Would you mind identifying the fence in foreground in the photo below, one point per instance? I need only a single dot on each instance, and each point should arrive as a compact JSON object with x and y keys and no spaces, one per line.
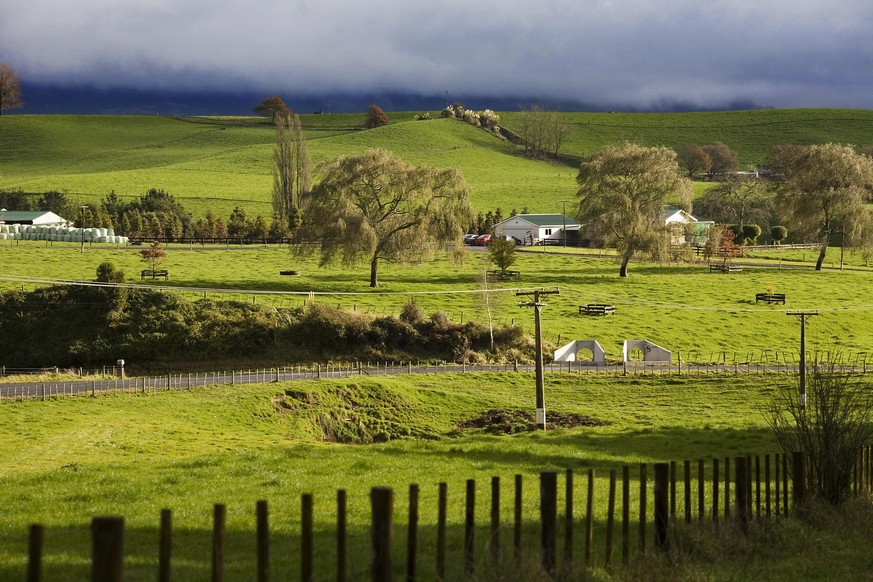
{"x":728,"y":493}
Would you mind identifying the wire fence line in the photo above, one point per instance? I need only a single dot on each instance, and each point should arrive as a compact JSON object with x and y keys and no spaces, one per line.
{"x":41,"y":390}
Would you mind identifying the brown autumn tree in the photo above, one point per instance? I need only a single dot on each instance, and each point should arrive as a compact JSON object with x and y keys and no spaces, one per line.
{"x":693,"y":158}
{"x":272,"y":107}
{"x":375,"y":117}
{"x":10,"y":88}
{"x":723,"y":160}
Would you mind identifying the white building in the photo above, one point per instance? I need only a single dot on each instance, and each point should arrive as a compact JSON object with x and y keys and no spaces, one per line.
{"x":539,"y":228}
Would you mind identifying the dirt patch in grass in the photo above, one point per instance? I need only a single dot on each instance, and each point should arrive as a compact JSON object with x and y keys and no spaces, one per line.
{"x":508,"y":421}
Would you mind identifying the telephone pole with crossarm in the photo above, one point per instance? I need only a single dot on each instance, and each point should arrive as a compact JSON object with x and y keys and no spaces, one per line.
{"x":540,"y":389}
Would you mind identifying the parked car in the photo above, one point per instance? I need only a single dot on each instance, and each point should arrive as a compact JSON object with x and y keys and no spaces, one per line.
{"x":470,"y":238}
{"x":483,"y":240}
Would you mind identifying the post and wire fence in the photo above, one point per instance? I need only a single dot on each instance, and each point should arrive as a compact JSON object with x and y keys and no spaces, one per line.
{"x":624,"y":514}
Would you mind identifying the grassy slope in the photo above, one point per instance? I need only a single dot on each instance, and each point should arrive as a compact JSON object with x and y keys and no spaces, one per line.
{"x":219,"y":163}
{"x":189,"y":450}
{"x":683,"y":308}
{"x":133,"y":454}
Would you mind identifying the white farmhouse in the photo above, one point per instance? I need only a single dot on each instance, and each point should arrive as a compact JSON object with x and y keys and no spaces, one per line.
{"x":539,"y":228}
{"x":685,"y":227}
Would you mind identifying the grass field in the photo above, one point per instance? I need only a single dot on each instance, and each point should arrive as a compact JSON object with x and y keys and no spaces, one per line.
{"x":683,"y":307}
{"x":133,"y":455}
{"x":218,"y":163}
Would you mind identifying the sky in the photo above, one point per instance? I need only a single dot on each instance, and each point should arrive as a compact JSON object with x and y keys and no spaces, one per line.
{"x":641,"y":54}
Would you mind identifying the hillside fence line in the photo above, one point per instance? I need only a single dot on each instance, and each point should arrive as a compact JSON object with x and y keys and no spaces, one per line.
{"x":647,"y":508}
{"x":721,"y":366}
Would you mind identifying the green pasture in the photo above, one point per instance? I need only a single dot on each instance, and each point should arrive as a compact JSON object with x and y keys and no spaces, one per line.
{"x":702,"y":316}
{"x":65,"y":461}
{"x":219,"y":163}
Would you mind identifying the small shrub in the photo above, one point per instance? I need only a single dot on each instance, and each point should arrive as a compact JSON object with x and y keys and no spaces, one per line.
{"x":107,"y":272}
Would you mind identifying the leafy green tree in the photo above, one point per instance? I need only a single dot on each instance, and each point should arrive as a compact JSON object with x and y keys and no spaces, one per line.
{"x":238,"y":224}
{"x":377,"y":206}
{"x":622,"y":193}
{"x":10,"y":88}
{"x":778,"y":233}
{"x":58,"y":203}
{"x":501,"y":252}
{"x":107,"y":272}
{"x":258,"y":228}
{"x":824,"y":194}
{"x":738,"y":200}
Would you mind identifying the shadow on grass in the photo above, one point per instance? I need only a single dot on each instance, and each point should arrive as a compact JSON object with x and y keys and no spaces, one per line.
{"x":67,"y":550}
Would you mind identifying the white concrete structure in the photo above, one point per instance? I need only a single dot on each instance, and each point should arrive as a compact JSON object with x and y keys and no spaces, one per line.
{"x":569,"y":352}
{"x":651,"y":352}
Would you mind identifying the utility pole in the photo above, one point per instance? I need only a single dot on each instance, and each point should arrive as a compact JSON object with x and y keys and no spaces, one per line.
{"x":564,"y":215}
{"x":540,"y":389}
{"x":803,"y":315}
{"x":82,"y":229}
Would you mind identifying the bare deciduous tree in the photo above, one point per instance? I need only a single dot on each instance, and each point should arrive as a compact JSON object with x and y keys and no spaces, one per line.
{"x":830,"y":429}
{"x":542,"y":131}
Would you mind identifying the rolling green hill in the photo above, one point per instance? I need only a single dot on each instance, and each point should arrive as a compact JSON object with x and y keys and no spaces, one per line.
{"x":218,"y":163}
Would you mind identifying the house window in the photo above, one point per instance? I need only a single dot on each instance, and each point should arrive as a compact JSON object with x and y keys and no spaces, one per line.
{"x":548,"y":232}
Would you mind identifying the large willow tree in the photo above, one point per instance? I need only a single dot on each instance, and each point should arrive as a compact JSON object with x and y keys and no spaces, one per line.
{"x":824,"y":195}
{"x":374,"y":206}
{"x":621,"y":196}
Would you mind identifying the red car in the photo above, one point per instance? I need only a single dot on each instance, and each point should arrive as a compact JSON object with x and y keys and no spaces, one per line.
{"x":483,"y":240}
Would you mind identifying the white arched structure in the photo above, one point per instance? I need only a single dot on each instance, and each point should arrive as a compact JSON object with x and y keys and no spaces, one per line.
{"x":651,"y":352}
{"x":568,"y":352}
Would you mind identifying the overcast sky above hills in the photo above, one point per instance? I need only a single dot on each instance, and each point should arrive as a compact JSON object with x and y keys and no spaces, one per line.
{"x":616,"y":53}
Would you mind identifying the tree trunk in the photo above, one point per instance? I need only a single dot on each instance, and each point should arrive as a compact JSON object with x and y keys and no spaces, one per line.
{"x":625,"y":259}
{"x":374,"y":268}
{"x":821,"y":255}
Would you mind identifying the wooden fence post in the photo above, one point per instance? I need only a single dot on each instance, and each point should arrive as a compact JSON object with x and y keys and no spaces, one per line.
{"x":219,"y":518}
{"x":701,"y":487}
{"x":469,"y":526}
{"x":516,"y":529}
{"x":107,"y":549}
{"x":263,"y":541}
{"x":625,"y":514}
{"x":662,"y":504}
{"x":589,"y":518}
{"x":341,"y":536}
{"x":412,"y":533}
{"x":568,"y":517}
{"x":382,"y":511}
{"x":686,"y":470}
{"x":307,"y":571}
{"x":165,"y":545}
{"x":610,"y":518}
{"x":494,"y":538}
{"x":643,"y":509}
{"x":548,"y":519}
{"x":441,"y":532}
{"x":34,"y":553}
{"x":798,"y":473}
{"x":715,"y":482}
{"x":741,"y":492}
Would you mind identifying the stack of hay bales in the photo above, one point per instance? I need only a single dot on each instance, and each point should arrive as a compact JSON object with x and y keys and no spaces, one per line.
{"x":59,"y":234}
